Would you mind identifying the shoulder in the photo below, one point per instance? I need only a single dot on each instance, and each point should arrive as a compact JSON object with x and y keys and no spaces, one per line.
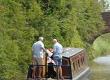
{"x":34,"y":44}
{"x":41,"y":43}
{"x":59,"y":44}
{"x":55,"y":44}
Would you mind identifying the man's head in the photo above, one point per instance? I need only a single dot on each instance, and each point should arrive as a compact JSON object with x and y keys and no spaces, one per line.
{"x":41,"y":38}
{"x":55,"y":40}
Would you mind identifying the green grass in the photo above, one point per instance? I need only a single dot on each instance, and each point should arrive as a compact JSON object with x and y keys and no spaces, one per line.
{"x":102,"y":45}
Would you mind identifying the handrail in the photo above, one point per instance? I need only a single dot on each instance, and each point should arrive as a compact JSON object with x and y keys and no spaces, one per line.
{"x":50,"y":65}
{"x":57,"y":76}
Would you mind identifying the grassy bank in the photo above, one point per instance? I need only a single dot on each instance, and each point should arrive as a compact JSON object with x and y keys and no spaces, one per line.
{"x":101,"y":45}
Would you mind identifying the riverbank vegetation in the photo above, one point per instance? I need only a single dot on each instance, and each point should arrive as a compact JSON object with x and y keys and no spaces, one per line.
{"x":75,"y":23}
{"x":102,"y":45}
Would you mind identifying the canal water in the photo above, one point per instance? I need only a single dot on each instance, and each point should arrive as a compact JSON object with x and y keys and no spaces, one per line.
{"x":100,"y":68}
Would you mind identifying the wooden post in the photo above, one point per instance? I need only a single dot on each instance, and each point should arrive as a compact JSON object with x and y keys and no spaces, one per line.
{"x":45,"y":65}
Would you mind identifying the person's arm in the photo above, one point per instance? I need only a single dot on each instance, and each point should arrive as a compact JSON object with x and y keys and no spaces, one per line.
{"x":44,"y":49}
{"x":51,"y":50}
{"x":42,"y":46}
{"x":54,"y":49}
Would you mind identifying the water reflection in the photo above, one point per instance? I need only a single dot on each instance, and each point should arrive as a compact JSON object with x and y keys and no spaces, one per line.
{"x":103,"y":60}
{"x":101,"y":68}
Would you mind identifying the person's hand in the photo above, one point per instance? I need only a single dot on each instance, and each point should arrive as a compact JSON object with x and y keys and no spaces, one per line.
{"x":49,"y":53}
{"x":51,"y":50}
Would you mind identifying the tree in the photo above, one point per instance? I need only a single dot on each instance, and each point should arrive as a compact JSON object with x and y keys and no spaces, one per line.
{"x":74,"y":23}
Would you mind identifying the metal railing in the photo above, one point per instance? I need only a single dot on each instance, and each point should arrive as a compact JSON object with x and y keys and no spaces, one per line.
{"x":46,"y":71}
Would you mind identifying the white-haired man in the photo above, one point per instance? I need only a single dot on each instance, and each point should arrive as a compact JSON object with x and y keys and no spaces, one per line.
{"x":38,"y":56}
{"x":57,"y":57}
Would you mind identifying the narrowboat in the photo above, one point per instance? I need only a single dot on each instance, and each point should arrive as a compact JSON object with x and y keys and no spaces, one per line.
{"x":74,"y":66}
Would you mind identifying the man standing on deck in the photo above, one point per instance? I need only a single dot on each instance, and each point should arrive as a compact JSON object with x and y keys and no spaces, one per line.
{"x":57,"y":57}
{"x":38,"y":56}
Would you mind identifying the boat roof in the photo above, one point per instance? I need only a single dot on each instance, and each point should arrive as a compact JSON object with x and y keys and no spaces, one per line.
{"x":68,"y":52}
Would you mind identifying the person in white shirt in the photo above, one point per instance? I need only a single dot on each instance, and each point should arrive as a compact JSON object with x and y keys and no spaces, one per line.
{"x":38,"y":55}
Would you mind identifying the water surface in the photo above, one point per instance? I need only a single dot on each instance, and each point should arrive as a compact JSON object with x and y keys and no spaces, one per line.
{"x":100,"y":68}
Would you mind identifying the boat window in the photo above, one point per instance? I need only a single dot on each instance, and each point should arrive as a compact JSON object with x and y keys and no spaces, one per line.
{"x":75,"y":68}
{"x":78,"y":62}
{"x":74,"y":65}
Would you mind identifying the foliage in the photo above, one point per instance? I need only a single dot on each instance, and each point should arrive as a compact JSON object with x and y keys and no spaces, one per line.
{"x":101,"y":45}
{"x":74,"y":23}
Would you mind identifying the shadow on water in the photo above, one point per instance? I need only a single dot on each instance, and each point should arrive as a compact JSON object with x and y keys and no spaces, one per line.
{"x":100,"y":68}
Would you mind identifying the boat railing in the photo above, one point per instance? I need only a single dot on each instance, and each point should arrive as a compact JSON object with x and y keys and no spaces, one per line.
{"x":45,"y":71}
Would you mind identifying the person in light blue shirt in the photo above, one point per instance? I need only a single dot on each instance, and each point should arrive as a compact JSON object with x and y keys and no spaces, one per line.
{"x":57,"y":57}
{"x":57,"y":49}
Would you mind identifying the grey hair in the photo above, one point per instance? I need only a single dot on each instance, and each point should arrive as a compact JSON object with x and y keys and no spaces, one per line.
{"x":41,"y":38}
{"x":55,"y":40}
